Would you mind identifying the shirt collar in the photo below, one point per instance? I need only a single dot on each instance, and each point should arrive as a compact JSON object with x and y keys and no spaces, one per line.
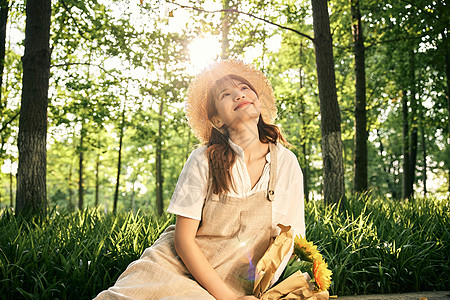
{"x":237,"y":149}
{"x":240,"y":153}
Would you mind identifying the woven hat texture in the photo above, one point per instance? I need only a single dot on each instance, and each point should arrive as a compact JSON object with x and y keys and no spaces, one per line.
{"x":196,"y":112}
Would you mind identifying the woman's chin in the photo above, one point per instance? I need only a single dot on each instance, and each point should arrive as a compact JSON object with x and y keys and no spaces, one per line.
{"x":250,"y":111}
{"x":248,"y":121}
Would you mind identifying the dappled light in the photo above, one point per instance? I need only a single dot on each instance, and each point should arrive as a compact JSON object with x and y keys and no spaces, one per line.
{"x":96,"y":127}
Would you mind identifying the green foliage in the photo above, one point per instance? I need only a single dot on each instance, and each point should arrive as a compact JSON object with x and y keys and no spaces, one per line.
{"x":71,"y":255}
{"x":377,"y":245}
{"x":373,"y":245}
{"x":294,"y":265}
{"x":111,"y":54}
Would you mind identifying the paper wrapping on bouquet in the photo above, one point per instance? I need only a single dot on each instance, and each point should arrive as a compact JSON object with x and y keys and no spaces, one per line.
{"x":271,"y":260}
{"x":296,"y":286}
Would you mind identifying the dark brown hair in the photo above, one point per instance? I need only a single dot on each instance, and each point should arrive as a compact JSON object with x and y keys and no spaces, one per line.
{"x":220,"y":155}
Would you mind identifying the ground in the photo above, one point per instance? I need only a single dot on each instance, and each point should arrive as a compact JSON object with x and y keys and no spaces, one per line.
{"x":442,"y":295}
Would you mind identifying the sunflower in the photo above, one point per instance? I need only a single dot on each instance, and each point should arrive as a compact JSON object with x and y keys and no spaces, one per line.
{"x":305,"y":250}
{"x":322,"y":275}
{"x":308,"y":259}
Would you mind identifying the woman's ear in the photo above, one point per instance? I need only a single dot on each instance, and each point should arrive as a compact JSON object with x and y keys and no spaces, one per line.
{"x":217,"y":122}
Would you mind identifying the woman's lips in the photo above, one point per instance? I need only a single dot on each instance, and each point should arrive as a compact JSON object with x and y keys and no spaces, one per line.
{"x":242,"y":104}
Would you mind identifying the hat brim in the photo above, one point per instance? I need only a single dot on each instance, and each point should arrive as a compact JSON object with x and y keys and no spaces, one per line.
{"x":196,"y":111}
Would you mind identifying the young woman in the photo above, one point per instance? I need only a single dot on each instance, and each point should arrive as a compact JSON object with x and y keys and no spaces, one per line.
{"x":231,"y":194}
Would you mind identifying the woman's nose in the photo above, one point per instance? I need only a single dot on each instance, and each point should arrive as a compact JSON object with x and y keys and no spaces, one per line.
{"x":239,"y":95}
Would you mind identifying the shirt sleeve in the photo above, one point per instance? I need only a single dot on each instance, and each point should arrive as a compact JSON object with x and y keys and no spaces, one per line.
{"x":190,"y":191}
{"x":290,"y":191}
{"x":297,"y":214}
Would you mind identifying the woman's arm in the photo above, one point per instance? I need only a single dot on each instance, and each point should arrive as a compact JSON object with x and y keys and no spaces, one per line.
{"x":195,"y":260}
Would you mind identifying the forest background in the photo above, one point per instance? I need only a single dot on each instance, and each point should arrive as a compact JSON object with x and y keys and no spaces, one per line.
{"x":117,"y":136}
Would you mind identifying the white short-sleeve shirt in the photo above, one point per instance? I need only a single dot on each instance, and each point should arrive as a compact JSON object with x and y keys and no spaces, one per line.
{"x":287,"y":207}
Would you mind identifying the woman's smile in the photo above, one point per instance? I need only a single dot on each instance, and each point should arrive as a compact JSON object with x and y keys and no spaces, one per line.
{"x":243,"y":103}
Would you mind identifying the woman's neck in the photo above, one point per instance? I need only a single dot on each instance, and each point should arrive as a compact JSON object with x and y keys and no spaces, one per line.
{"x":247,"y":137}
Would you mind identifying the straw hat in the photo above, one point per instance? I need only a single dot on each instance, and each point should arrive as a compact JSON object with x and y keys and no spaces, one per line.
{"x":196,"y":112}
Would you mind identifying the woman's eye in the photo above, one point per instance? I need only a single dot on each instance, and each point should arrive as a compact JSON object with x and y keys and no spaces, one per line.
{"x":244,"y":88}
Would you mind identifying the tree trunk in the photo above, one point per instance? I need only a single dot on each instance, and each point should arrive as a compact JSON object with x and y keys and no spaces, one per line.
{"x":80,"y":171}
{"x":11,"y":194}
{"x":133,"y":204}
{"x":69,"y":186}
{"x":119,"y":160}
{"x":97,"y":166}
{"x":405,"y":146}
{"x":333,"y":168}
{"x":31,"y":197}
{"x":386,"y":169}
{"x":360,"y":159}
{"x":303,"y":132}
{"x":396,"y":188}
{"x":159,"y":176}
{"x":413,"y":137}
{"x":305,"y":174}
{"x":412,"y":162}
{"x":225,"y":30}
{"x":424,"y":162}
{"x":447,"y":73}
{"x":4,"y":9}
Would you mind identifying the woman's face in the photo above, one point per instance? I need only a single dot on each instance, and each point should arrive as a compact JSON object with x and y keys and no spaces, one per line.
{"x":236,"y":103}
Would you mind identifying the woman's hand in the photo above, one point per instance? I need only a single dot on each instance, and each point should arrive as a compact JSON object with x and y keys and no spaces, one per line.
{"x":247,"y":298}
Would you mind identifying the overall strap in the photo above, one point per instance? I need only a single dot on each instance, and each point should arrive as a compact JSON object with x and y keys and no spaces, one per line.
{"x":272,"y":172}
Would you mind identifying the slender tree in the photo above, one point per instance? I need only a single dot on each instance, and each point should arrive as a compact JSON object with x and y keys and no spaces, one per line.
{"x":81,"y":168}
{"x":413,"y":124}
{"x":159,"y":176}
{"x":305,"y":167}
{"x":71,"y":205}
{"x":410,"y":130}
{"x":119,"y":158}
{"x":31,"y":197}
{"x":11,"y":194}
{"x":424,"y":162}
{"x":447,"y":73}
{"x":333,"y":168}
{"x":360,"y":156}
{"x":97,"y":176}
{"x":4,"y":9}
{"x":405,"y":148}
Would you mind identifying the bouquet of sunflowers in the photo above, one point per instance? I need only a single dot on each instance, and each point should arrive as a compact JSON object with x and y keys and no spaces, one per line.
{"x":306,"y":275}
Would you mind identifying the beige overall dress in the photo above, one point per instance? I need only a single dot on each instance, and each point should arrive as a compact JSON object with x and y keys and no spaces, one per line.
{"x":233,"y":234}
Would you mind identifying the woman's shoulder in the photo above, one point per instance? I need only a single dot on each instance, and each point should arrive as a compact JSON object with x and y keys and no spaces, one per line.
{"x":195,"y":170}
{"x":198,"y":156}
{"x":285,"y":154}
{"x":199,"y":149}
{"x":286,"y":158}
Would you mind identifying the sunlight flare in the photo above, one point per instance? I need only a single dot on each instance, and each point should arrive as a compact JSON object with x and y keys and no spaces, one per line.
{"x":203,"y":51}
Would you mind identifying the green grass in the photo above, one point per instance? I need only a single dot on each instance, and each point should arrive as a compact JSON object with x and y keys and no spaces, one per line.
{"x":383,"y":246}
{"x":372,"y":246}
{"x":71,"y":256}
